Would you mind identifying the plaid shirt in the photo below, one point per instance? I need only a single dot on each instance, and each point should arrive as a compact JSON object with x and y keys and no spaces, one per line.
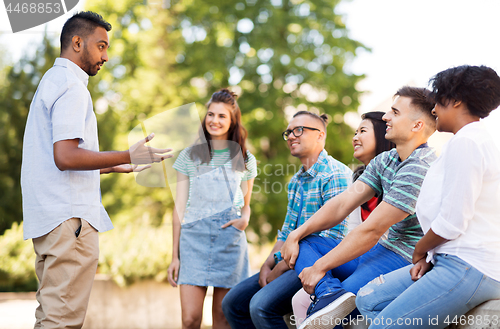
{"x":324,"y":180}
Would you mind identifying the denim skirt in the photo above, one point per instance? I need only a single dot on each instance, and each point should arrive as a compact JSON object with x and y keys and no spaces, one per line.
{"x":211,"y":255}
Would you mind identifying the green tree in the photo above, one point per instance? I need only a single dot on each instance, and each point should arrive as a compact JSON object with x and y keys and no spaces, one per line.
{"x":18,"y":84}
{"x":281,"y":56}
{"x":17,"y":270}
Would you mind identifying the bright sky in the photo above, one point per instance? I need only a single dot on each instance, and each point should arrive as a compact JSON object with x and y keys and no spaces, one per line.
{"x":19,"y":43}
{"x":413,"y":40}
{"x":410,"y":41}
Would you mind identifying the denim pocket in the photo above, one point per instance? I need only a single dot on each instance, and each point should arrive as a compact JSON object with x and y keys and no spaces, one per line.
{"x":234,"y":227}
{"x":473,"y":300}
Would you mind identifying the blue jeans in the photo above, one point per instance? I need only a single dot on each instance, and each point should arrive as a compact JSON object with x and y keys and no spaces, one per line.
{"x":451,"y":288}
{"x":247,"y":305}
{"x":312,"y":248}
{"x":352,"y":275}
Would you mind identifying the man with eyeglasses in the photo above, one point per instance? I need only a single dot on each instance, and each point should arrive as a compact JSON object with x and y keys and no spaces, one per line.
{"x":262,"y":300}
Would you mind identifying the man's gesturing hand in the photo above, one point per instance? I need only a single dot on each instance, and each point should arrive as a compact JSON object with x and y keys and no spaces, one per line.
{"x":142,"y":154}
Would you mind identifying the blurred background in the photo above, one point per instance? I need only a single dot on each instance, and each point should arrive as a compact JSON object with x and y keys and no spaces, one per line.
{"x":342,"y":58}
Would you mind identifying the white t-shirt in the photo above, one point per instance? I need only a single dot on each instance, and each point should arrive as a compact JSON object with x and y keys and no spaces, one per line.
{"x":61,"y":109}
{"x":460,"y":199}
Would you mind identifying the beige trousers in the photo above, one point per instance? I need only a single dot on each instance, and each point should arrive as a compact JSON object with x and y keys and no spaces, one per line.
{"x":65,"y":266}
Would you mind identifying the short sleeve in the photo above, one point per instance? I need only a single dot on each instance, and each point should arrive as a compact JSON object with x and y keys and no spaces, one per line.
{"x":181,"y":163}
{"x":405,"y":186}
{"x":251,"y":165}
{"x":69,"y":112}
{"x":371,"y":176}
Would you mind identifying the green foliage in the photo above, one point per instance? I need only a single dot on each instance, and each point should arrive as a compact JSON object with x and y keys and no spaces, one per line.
{"x":128,"y":253}
{"x":17,"y":87}
{"x":17,"y":271}
{"x":293,"y":55}
{"x":280,"y":56}
{"x":136,"y":251}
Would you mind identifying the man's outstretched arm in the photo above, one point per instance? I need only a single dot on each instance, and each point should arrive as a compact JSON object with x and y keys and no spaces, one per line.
{"x":356,"y":243}
{"x":68,"y":156}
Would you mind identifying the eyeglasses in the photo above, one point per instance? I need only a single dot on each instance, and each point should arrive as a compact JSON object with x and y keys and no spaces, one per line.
{"x":297,"y":131}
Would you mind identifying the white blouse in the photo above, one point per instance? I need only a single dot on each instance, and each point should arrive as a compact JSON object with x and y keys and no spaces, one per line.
{"x":460,"y":199}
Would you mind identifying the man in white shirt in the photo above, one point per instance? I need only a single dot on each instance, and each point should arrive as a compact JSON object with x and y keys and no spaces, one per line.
{"x":60,"y":175}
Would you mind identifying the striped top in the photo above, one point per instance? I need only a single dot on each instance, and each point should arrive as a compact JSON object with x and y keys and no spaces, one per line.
{"x":324,"y":180}
{"x":400,"y":182}
{"x":186,"y":166}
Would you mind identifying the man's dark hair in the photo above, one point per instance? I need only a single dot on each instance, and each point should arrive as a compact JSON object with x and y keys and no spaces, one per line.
{"x":478,"y":87}
{"x":323,"y":118}
{"x":421,"y":98}
{"x":81,"y":24}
